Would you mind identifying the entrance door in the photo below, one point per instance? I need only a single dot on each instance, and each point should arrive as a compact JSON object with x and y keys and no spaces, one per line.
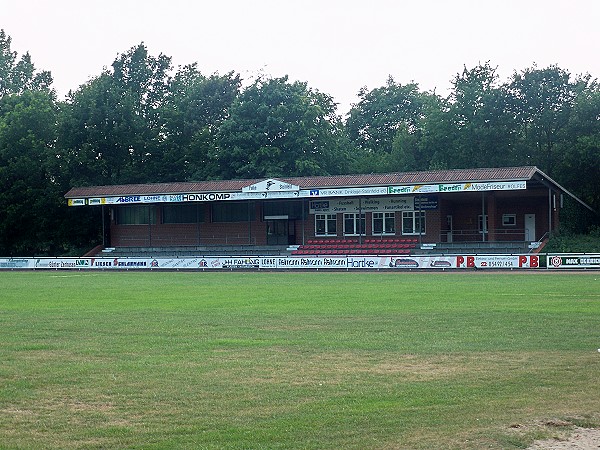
{"x":449,"y":229}
{"x":278,"y":232}
{"x":530,"y":227}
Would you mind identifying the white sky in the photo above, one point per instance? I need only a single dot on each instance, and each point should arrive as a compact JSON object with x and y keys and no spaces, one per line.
{"x":337,"y":46}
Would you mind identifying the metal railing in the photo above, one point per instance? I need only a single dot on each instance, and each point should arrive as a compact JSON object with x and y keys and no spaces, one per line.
{"x":474,"y":235}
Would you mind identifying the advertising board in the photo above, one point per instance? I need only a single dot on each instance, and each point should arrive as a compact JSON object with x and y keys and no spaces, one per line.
{"x":349,"y":262}
{"x":498,"y":261}
{"x":274,"y":189}
{"x":20,"y":263}
{"x":574,"y":261}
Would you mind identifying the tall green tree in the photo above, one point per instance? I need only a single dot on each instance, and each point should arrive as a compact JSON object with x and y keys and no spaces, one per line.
{"x":373,"y":122}
{"x":19,"y":74}
{"x":580,"y":161}
{"x":113,"y":128}
{"x":194,"y":110}
{"x":30,"y":195}
{"x":278,"y":128}
{"x":31,"y":203}
{"x":484,"y":126}
{"x":379,"y":116}
{"x":543,"y":102}
{"x":429,"y":144}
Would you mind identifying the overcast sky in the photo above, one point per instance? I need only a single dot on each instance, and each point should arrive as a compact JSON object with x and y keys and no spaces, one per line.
{"x":336,"y":46}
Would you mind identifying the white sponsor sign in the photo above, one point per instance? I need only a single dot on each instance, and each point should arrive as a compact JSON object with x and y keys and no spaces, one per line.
{"x":62,"y":263}
{"x":271,"y":185}
{"x":16,"y":263}
{"x":498,"y":261}
{"x":458,"y":187}
{"x":573,"y":261}
{"x":354,"y":205}
{"x":350,"y":262}
{"x":311,"y":263}
{"x":282,"y":190}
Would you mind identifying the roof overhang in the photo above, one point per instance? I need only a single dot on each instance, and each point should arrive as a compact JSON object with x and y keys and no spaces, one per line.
{"x":403,"y":183}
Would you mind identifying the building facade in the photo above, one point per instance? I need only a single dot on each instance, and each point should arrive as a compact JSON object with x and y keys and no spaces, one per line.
{"x":490,"y":205}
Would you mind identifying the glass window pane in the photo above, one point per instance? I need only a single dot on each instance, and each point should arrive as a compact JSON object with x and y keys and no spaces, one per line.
{"x":331,"y":224}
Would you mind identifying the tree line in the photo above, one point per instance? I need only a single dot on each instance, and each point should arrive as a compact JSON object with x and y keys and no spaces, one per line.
{"x":141,"y":120}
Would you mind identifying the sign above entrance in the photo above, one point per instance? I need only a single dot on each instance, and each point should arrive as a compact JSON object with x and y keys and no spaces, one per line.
{"x":271,"y":185}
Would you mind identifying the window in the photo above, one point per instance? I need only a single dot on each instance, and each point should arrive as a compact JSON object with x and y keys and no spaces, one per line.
{"x":233,"y":212}
{"x":509,"y":220}
{"x":354,"y":224}
{"x":136,"y":215}
{"x":325,"y":225}
{"x":384,"y":223}
{"x":183,"y":213}
{"x":480,"y":224}
{"x":413,"y":222}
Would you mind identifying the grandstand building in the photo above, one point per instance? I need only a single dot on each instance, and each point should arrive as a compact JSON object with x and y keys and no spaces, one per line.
{"x":500,"y":208}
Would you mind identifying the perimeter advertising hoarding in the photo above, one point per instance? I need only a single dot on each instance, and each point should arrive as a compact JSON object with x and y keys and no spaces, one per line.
{"x":574,"y":261}
{"x":18,"y":263}
{"x":283,"y":262}
{"x":498,"y":261}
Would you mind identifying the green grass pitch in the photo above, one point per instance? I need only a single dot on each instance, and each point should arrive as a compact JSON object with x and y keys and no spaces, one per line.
{"x":296,"y":360}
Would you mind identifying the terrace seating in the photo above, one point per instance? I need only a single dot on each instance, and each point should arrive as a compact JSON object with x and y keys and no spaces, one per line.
{"x":351,"y":246}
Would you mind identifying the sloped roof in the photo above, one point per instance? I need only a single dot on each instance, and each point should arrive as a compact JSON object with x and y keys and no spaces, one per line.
{"x":321,"y":182}
{"x":483,"y":175}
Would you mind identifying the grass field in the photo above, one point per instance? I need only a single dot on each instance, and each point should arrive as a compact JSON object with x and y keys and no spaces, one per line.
{"x":296,"y":360}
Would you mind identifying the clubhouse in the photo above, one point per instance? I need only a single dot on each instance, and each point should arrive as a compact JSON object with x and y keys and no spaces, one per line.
{"x":492,"y":205}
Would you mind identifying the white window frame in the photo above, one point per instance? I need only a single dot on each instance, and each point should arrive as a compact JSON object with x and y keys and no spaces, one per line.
{"x":327,"y":218}
{"x":356,"y":222}
{"x":414,"y":215}
{"x":509,"y":220}
{"x":383,"y":217}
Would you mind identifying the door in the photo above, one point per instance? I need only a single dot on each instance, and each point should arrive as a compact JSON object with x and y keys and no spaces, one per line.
{"x":530,"y":227}
{"x":449,"y":229}
{"x":278,"y":232}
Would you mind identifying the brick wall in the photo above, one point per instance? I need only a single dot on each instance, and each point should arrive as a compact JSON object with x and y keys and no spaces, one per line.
{"x":464,"y":208}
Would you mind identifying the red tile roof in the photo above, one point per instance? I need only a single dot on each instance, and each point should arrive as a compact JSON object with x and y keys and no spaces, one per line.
{"x":318,"y":182}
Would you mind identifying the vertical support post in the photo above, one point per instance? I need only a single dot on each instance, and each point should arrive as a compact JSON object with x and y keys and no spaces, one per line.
{"x":483,"y":221}
{"x":198,"y":221}
{"x":303,"y":219}
{"x":549,"y":211}
{"x":149,"y":226}
{"x":249,"y":224}
{"x":420,"y":222}
{"x":360,"y":230}
{"x":103,"y":227}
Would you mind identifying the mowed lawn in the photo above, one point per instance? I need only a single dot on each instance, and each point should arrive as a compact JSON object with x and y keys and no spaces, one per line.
{"x":296,"y":360}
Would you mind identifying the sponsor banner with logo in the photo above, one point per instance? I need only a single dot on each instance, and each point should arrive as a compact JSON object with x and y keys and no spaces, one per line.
{"x":401,"y":262}
{"x":498,"y":261}
{"x":241,"y":262}
{"x":274,"y":189}
{"x":295,"y":262}
{"x":16,"y":263}
{"x":62,"y":263}
{"x":420,"y":262}
{"x":349,"y":262}
{"x":574,"y":261}
{"x":271,"y":185}
{"x":354,"y":205}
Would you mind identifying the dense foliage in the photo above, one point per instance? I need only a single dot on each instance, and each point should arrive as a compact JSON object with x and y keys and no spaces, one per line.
{"x":141,"y":120}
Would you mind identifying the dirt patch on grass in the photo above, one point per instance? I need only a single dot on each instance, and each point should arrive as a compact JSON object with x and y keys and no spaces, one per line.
{"x":570,"y":434}
{"x":576,"y":438}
